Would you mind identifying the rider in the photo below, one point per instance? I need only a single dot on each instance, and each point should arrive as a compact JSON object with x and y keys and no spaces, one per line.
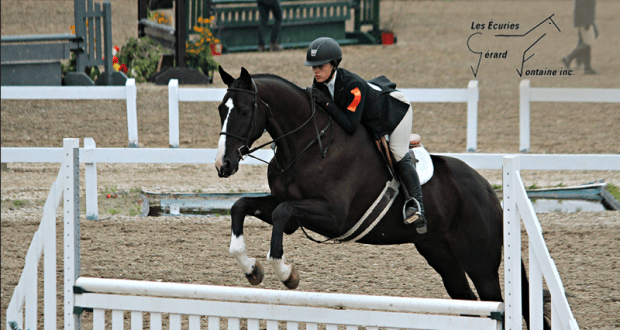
{"x":350,"y":100}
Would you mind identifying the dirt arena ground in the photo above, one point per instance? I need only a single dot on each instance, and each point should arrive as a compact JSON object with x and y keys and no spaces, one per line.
{"x":431,"y":52}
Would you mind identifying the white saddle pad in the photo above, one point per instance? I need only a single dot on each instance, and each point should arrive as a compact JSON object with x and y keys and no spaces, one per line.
{"x":424,"y":166}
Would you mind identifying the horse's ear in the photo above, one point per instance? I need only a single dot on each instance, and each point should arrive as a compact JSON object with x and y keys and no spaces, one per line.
{"x":226,"y":78}
{"x":245,"y":78}
{"x":245,"y":74}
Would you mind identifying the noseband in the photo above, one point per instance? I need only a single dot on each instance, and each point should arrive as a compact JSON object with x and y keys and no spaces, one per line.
{"x":245,"y":150}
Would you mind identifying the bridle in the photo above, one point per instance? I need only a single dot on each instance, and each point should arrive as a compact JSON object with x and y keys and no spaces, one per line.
{"x":245,"y":150}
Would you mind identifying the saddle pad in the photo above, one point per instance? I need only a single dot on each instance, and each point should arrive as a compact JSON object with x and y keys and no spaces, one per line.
{"x":424,"y":164}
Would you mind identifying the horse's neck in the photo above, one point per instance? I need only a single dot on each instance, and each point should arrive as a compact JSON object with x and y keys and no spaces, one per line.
{"x":290,"y":110}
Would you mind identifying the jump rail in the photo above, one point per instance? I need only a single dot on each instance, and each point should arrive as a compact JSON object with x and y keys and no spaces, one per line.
{"x":235,"y":303}
{"x":469,"y":95}
{"x":529,"y":94}
{"x":127,"y":92}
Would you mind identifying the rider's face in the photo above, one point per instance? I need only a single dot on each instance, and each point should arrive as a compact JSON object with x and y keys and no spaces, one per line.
{"x":322,"y":72}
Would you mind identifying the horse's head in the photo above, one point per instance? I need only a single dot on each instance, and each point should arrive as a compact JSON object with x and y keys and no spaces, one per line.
{"x":243,"y":121}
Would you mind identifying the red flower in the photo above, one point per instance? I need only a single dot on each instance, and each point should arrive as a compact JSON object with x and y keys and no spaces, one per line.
{"x":114,"y":59}
{"x":117,"y":49}
{"x":124,"y":68}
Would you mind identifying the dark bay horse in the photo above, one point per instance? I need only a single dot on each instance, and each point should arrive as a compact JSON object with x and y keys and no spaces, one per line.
{"x":324,"y":179}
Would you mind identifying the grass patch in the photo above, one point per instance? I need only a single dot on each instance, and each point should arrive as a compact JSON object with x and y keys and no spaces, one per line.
{"x":614,"y":191}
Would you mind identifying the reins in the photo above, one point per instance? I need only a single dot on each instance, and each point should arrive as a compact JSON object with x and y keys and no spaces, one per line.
{"x":249,"y":151}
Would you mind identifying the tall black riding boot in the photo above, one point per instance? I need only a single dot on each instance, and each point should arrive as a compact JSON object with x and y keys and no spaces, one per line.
{"x":578,"y":51}
{"x":413,"y":211}
{"x":587,"y":57}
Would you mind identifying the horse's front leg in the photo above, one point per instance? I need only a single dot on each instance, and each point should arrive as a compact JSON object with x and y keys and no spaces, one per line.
{"x":261,"y":207}
{"x":315,"y":214}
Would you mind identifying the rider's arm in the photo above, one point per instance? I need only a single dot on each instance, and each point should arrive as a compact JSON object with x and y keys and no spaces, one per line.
{"x":350,"y":117}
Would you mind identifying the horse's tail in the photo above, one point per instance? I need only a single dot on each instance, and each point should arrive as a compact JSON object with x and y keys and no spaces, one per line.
{"x":525,"y":298}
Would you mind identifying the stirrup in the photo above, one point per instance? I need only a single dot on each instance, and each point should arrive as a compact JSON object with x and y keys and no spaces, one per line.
{"x":413,"y":215}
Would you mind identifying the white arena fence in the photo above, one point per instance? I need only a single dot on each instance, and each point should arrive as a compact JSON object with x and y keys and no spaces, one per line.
{"x":149,"y":297}
{"x":469,"y":95}
{"x":127,"y":92}
{"x":202,"y":301}
{"x":90,"y":156}
{"x":529,"y":94}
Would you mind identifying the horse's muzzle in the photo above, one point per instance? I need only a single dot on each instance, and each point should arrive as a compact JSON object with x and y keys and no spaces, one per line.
{"x":225,"y":169}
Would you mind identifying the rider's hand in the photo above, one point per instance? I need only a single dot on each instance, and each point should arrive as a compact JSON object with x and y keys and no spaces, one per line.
{"x":320,"y":98}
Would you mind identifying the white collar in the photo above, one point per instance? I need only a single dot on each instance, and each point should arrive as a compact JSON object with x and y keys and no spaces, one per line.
{"x":331,"y":85}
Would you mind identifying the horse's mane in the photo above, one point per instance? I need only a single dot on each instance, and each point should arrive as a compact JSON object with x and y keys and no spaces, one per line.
{"x":275,"y":77}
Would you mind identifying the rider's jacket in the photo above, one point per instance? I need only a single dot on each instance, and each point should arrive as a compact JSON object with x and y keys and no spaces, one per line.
{"x":369,"y":103}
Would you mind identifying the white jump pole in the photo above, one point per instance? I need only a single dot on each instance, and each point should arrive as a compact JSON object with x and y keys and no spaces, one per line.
{"x":71,"y":259}
{"x":512,"y":246}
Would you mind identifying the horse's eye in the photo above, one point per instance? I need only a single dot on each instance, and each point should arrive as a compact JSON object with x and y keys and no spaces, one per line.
{"x":244,"y":108}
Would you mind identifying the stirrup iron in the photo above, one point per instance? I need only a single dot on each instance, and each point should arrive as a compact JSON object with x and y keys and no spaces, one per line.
{"x":416,"y":218}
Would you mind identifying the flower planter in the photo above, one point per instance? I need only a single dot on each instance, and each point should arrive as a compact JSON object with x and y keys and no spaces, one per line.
{"x":387,"y":38}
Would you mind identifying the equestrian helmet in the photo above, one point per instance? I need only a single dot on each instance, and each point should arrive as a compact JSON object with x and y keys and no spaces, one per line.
{"x":323,"y":50}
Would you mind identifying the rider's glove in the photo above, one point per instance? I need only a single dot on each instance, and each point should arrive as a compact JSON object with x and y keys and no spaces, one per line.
{"x":320,"y":98}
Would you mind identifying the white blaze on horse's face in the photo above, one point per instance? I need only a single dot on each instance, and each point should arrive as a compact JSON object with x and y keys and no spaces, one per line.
{"x":221,"y":145}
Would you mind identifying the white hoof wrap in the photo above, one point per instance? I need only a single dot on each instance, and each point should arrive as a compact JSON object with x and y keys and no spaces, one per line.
{"x":283,"y":271}
{"x":237,"y":250}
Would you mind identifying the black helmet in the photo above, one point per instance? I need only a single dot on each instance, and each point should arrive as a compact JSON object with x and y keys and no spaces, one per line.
{"x":323,"y":50}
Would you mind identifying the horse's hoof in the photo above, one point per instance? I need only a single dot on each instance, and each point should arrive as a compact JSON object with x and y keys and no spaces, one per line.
{"x":257,"y":274}
{"x":292,"y":282}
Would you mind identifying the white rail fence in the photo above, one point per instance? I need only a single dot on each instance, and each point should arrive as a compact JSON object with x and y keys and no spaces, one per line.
{"x":198,"y":301}
{"x":529,"y":94}
{"x":90,"y":156}
{"x":469,"y":95}
{"x":127,"y":92}
{"x":105,"y":294}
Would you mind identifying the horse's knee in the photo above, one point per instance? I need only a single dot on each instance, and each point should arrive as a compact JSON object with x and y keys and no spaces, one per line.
{"x":239,"y":207}
{"x":282,"y":214}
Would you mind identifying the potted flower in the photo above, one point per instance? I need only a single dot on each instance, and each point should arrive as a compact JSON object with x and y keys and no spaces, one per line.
{"x":388,"y":36}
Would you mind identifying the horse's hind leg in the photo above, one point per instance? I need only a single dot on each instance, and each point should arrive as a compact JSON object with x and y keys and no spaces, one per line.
{"x":261,"y":207}
{"x":439,"y":255}
{"x":480,"y":253}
